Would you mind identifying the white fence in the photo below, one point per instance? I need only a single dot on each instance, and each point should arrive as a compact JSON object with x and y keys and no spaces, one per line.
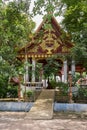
{"x":31,"y":86}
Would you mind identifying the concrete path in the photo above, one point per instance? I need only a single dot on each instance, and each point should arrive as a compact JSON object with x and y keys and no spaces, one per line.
{"x":43,"y":107}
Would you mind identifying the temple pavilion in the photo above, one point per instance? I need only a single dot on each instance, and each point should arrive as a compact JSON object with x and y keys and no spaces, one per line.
{"x":47,"y":43}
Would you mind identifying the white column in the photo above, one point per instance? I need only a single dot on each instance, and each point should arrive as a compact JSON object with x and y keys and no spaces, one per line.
{"x":62,"y":72}
{"x":33,"y":70}
{"x":26,"y":76}
{"x":65,"y":71}
{"x":62,"y":77}
{"x":73,"y":67}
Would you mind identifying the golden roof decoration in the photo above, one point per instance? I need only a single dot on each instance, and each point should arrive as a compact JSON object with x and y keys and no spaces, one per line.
{"x":47,"y":41}
{"x":50,"y":42}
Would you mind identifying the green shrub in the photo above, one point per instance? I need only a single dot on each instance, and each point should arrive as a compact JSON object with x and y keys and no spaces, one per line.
{"x":29,"y":93}
{"x":3,"y":86}
{"x":12,"y":91}
{"x":82,"y":93}
{"x":53,"y":84}
{"x":63,"y":87}
{"x":3,"y":92}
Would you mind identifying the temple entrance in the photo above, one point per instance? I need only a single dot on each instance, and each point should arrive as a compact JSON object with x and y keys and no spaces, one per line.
{"x":39,"y":54}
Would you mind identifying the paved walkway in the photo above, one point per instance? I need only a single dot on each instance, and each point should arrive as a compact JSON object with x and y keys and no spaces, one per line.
{"x":43,"y":107}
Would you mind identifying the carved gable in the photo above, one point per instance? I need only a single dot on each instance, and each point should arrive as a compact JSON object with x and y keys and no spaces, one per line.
{"x":48,"y":41}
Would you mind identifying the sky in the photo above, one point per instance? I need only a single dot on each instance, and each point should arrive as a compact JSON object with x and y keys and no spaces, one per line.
{"x":39,"y":18}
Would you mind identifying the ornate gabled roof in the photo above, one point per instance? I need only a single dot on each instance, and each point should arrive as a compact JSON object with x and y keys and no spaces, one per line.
{"x":47,"y":41}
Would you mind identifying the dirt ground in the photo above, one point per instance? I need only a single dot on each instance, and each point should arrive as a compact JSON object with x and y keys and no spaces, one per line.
{"x":60,"y":121}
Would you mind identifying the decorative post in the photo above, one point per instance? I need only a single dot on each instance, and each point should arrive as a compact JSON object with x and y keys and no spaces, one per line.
{"x":19,"y":90}
{"x":26,"y":76}
{"x":33,"y":70}
{"x":70,"y":87}
{"x":62,"y":73}
{"x":73,"y":67}
{"x":65,"y":71}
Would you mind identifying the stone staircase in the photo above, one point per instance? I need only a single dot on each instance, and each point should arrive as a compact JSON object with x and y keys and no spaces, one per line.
{"x":43,"y":106}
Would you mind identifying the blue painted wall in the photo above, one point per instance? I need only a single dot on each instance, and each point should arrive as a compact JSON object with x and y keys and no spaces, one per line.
{"x":70,"y":107}
{"x":15,"y":106}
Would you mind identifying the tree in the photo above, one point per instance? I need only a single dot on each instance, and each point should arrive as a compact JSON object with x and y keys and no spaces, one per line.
{"x":74,"y":21}
{"x":76,"y":24}
{"x":47,"y":6}
{"x":15,"y":27}
{"x":50,"y":69}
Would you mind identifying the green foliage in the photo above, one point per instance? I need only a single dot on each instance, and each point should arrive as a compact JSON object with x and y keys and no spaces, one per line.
{"x":3,"y":91}
{"x":47,"y":8}
{"x":29,"y":93}
{"x":75,"y":78}
{"x":41,"y":6}
{"x":8,"y":91}
{"x":12,"y":91}
{"x":3,"y":86}
{"x":51,"y":67}
{"x":74,"y":21}
{"x":15,"y":27}
{"x":53,"y":84}
{"x":82,"y":93}
{"x":38,"y":69}
{"x":75,"y":15}
{"x":81,"y":96}
{"x":63,"y":88}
